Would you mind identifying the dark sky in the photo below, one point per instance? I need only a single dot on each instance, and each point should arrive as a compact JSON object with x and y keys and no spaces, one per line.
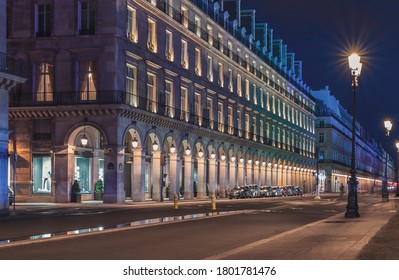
{"x":322,"y":33}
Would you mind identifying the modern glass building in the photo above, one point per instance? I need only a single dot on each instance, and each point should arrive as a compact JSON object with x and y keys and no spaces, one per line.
{"x":155,"y":98}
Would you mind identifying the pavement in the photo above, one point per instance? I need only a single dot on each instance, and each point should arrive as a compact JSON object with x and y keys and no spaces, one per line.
{"x":372,"y":236}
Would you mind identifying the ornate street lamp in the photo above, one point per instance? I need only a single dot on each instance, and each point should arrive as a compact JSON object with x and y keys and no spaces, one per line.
{"x":135,"y":143}
{"x":188,"y":151}
{"x":352,"y":209}
{"x":223,"y":157}
{"x":384,"y":189}
{"x":84,"y":139}
{"x":155,"y":145}
{"x":233,"y":158}
{"x":213,"y":155}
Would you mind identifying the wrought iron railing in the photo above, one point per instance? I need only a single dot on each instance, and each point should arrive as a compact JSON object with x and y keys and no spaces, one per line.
{"x":13,"y":65}
{"x":201,"y":119}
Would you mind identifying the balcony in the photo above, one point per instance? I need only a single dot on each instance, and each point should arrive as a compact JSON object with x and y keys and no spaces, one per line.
{"x":13,"y":66}
{"x":147,"y":106}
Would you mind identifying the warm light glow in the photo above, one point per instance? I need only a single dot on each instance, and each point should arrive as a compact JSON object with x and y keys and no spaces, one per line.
{"x":200,"y":153}
{"x":388,"y":125}
{"x":233,"y":158}
{"x":188,"y":151}
{"x":241,"y":160}
{"x":84,"y":140}
{"x":172,"y":149}
{"x":223,"y":157}
{"x":257,"y":162}
{"x":249,"y":161}
{"x":135,"y":143}
{"x":155,"y":145}
{"x":213,"y":156}
{"x":397,"y":145}
{"x":263,"y":163}
{"x":354,"y":64}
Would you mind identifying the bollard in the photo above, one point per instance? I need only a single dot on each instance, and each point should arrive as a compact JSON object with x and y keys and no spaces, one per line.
{"x":213,"y":201}
{"x":175,"y":204}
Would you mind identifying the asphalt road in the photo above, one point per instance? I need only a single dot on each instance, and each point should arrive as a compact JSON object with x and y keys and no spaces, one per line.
{"x":180,"y":236}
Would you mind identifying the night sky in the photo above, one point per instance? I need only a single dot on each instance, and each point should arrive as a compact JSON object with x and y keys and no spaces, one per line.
{"x":322,"y":33}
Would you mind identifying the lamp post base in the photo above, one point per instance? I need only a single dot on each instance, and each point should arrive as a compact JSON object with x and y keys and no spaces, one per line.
{"x":352,"y":209}
{"x":384,"y":192}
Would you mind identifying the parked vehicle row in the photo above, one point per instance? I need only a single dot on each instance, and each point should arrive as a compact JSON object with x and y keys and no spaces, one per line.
{"x":253,"y":191}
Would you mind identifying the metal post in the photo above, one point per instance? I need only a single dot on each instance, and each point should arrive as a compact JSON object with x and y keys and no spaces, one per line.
{"x":397,"y":178}
{"x":352,"y":209}
{"x":15,"y":168}
{"x":317,"y":176}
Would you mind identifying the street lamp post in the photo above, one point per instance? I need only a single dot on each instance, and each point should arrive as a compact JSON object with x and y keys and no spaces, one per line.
{"x":384,"y":189}
{"x":397,"y":181}
{"x":352,"y":209}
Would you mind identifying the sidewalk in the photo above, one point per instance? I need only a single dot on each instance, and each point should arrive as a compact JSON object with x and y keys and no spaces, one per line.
{"x":375,"y":235}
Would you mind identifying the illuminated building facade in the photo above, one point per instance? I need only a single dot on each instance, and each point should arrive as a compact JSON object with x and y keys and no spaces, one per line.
{"x":189,"y":97}
{"x":333,"y":143}
{"x":12,"y":72}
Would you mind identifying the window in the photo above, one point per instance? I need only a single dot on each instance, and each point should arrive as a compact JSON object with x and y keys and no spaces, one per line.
{"x":209,"y":104}
{"x":239,"y":85}
{"x":255,"y":95}
{"x":247,"y":126}
{"x":198,"y":26}
{"x":254,"y":123}
{"x":198,"y":108}
{"x":262,"y":98}
{"x":151,"y":93}
{"x":284,"y":116}
{"x":210,"y":34}
{"x":87,"y":17}
{"x":169,"y":53}
{"x":230,"y":120}
{"x":44,"y":14}
{"x":220,"y":40}
{"x":273,"y":136}
{"x":45,"y":80}
{"x":239,"y":122}
{"x":220,"y":117}
{"x":131,"y":85}
{"x":131,"y":31}
{"x":184,"y":54}
{"x":247,"y":94}
{"x":41,"y":177}
{"x":210,"y":69}
{"x":169,"y":97}
{"x":261,"y":134}
{"x":267,"y":131}
{"x":198,"y":66}
{"x":88,"y":80}
{"x":321,"y":137}
{"x":230,"y":86}
{"x":221,"y":77}
{"x":184,"y":104}
{"x":152,"y":36}
{"x":278,"y":107}
{"x":184,"y":13}
{"x":267,"y":101}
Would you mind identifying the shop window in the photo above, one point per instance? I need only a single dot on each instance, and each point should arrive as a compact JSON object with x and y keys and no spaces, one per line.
{"x":41,"y":176}
{"x":83,"y":173}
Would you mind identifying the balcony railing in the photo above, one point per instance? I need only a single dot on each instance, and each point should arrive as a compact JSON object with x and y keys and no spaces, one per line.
{"x":201,"y":119}
{"x":13,"y":65}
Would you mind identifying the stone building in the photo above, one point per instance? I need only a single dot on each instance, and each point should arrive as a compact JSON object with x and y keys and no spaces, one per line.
{"x":155,"y":98}
{"x":12,"y":72}
{"x":334,"y":146}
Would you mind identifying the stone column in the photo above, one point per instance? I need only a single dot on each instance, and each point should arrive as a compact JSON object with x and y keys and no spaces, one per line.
{"x":138,"y":187}
{"x":114,"y":191}
{"x":256,"y":174}
{"x":289,"y":178}
{"x":240,"y":174}
{"x":94,"y":174}
{"x":156,"y":175}
{"x":63,"y":177}
{"x":250,"y":174}
{"x":201,"y":193}
{"x":222,"y":178}
{"x":269,"y":181}
{"x":232,"y":174}
{"x":263,"y":174}
{"x":212,"y":175}
{"x":188,"y":177}
{"x":274,"y":175}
